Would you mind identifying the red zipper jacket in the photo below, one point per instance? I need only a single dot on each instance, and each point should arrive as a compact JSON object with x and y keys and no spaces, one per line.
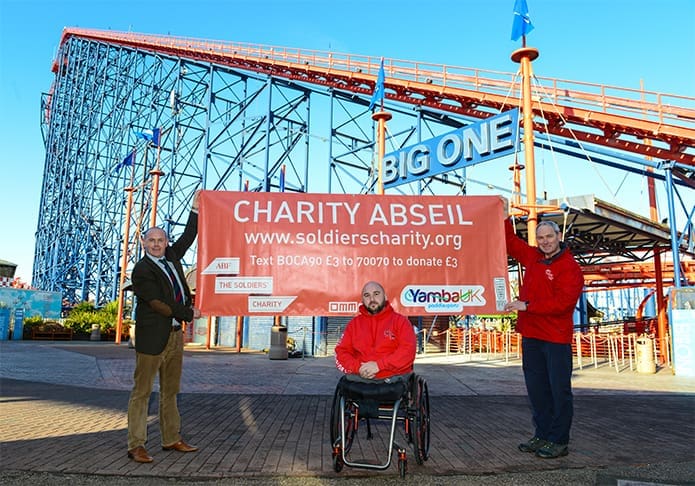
{"x":387,"y":338}
{"x":551,"y":288}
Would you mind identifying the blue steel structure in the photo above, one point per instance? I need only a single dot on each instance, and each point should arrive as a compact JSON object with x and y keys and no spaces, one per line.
{"x":232,"y":115}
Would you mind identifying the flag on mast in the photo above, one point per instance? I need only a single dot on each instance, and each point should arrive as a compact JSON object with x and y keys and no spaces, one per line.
{"x":153,"y":135}
{"x":378,"y":95}
{"x":522,"y":22}
{"x":145,"y":134}
{"x":129,"y":160}
{"x":282,"y":179}
{"x":156,"y":134}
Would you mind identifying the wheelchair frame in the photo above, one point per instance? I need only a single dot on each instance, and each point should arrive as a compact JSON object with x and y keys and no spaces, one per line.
{"x":412,"y":408}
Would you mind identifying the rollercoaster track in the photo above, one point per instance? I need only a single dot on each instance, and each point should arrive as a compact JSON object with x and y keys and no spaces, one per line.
{"x":212,"y":100}
{"x":627,"y":274}
{"x":651,"y":124}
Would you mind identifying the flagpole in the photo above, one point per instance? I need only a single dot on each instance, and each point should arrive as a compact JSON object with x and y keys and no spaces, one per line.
{"x":124,"y":257}
{"x":155,"y":173}
{"x":381,"y":118}
{"x":282,"y":178}
{"x":516,"y":168}
{"x":525,"y":56}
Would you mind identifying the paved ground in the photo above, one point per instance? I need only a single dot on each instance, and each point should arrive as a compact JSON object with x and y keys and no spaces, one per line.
{"x":262,"y":421}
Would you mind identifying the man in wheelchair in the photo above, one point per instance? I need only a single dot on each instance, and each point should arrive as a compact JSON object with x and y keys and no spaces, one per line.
{"x":379,"y":343}
{"x":376,"y":355}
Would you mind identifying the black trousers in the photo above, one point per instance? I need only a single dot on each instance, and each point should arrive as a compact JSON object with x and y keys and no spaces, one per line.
{"x":548,"y":374}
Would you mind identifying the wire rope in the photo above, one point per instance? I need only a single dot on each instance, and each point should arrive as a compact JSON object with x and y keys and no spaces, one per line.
{"x":574,"y":137}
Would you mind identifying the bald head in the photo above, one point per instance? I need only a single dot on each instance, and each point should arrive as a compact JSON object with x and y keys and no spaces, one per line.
{"x":373,"y":297}
{"x":155,"y":241}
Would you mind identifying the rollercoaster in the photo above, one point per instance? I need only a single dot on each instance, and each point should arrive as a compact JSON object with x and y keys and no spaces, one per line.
{"x":154,"y":118}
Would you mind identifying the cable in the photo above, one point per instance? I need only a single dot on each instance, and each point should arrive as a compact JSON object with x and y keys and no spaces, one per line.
{"x":574,"y":137}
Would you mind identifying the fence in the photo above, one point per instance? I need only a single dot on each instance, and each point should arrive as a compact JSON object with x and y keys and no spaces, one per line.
{"x":616,"y":349}
{"x":481,"y":344}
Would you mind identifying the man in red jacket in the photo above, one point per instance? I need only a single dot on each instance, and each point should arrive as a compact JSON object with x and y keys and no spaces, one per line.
{"x":378,"y":343}
{"x":552,"y":284}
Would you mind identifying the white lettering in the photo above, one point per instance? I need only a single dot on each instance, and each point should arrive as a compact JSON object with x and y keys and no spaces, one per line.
{"x":469,"y":145}
{"x":338,"y":212}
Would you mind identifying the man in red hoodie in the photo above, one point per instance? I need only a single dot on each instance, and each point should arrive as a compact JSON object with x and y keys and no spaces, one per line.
{"x":552,"y":284}
{"x":378,"y":343}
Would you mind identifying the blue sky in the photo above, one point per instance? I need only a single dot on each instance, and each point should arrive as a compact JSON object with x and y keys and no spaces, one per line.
{"x":616,"y":42}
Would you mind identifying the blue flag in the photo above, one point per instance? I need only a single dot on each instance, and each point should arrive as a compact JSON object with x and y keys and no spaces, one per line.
{"x":156,"y":132}
{"x":378,"y":95}
{"x":145,"y":135}
{"x":282,"y":179}
{"x":128,"y":161}
{"x":522,"y":22}
{"x":153,"y":135}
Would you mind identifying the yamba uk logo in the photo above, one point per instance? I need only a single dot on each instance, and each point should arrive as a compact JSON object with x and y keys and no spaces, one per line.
{"x":443,"y":298}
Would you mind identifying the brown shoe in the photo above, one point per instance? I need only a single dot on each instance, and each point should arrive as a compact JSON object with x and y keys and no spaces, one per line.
{"x":139,"y":454}
{"x":180,"y":446}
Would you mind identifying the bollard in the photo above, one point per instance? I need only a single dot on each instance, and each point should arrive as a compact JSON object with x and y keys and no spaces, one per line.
{"x":96,"y":333}
{"x":131,"y":335}
{"x":278,"y":342}
{"x":644,"y":355}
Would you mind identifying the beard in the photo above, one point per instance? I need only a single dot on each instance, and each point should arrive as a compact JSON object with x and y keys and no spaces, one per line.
{"x":377,"y":308}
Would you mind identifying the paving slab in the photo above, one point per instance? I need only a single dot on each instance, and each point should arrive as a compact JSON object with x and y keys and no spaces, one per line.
{"x":63,"y":415}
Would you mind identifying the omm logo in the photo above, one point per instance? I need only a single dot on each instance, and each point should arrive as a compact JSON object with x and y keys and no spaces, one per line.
{"x":343,"y":307}
{"x":443,"y":298}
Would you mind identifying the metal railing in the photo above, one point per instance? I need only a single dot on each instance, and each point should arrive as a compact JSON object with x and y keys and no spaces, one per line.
{"x":663,"y":108}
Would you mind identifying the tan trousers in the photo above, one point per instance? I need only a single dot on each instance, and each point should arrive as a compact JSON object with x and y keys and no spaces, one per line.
{"x":168,"y":364}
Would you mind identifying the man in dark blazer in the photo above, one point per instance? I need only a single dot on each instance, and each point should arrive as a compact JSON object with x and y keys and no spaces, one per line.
{"x":163,"y":304}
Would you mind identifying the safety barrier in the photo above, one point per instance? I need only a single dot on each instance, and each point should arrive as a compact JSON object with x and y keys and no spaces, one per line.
{"x":617,"y":350}
{"x":476,"y":343}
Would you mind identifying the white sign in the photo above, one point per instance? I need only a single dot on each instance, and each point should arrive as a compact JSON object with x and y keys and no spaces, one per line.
{"x":269,"y":304}
{"x":244,"y":285}
{"x":223,"y":266}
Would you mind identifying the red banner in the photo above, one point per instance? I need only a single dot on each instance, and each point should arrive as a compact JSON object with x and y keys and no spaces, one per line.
{"x":310,"y":254}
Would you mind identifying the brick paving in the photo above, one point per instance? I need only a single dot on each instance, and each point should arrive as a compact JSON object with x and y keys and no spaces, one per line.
{"x":63,"y":410}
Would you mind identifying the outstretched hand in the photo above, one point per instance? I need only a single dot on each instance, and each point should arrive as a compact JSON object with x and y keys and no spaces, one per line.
{"x":196,"y":198}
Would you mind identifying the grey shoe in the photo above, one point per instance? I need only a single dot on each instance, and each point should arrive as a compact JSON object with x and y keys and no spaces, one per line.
{"x":532,"y":445}
{"x":552,"y":450}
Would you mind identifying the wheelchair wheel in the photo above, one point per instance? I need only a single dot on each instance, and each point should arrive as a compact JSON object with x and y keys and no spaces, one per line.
{"x":421,"y":429}
{"x":411,"y":410}
{"x":402,"y":467}
{"x":336,"y":432}
{"x":337,"y":462}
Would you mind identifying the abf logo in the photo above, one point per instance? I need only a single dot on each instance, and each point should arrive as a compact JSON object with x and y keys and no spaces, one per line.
{"x":443,"y":298}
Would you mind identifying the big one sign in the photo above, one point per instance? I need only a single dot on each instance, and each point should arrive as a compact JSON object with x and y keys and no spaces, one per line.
{"x":310,"y":254}
{"x":485,"y":140}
